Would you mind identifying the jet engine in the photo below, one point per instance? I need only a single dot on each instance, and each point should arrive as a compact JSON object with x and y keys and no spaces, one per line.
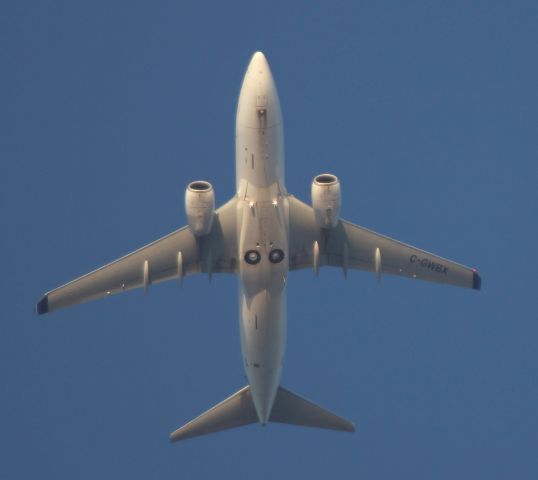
{"x":326,"y":200}
{"x":200,"y":206}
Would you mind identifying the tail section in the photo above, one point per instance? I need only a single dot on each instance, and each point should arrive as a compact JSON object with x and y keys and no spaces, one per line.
{"x":291,"y":408}
{"x":238,"y":410}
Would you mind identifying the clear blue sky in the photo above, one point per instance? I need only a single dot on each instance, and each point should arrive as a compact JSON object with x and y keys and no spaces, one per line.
{"x":428,"y":113}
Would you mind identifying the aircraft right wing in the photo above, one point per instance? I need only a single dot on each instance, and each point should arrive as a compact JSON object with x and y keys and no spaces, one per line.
{"x":178,"y":254}
{"x":351,"y":246}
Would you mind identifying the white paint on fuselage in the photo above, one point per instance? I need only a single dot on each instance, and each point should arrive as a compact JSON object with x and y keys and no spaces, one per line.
{"x":263,"y":226}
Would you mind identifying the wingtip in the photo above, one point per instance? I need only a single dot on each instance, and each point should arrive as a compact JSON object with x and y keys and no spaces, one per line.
{"x":43,"y":305}
{"x":176,"y":436}
{"x":477,"y":281}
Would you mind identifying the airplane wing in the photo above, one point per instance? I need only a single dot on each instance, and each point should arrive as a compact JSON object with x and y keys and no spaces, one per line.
{"x":178,"y":254}
{"x":351,"y":246}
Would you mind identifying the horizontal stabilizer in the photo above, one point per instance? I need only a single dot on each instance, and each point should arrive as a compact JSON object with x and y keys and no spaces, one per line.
{"x":236,"y":411}
{"x":291,"y":408}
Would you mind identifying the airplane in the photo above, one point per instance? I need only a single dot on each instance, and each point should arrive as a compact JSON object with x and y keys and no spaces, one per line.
{"x":261,"y":234}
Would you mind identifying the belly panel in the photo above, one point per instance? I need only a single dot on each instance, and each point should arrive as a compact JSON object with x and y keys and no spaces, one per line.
{"x":263,"y":341}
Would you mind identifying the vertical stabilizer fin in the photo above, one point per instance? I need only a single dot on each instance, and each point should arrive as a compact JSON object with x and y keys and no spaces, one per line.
{"x":291,"y":408}
{"x":236,"y":411}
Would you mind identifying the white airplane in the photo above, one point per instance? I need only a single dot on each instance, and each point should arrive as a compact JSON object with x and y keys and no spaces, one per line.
{"x":261,"y":234}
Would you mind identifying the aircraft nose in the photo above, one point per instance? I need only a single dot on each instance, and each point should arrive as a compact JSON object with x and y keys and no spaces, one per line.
{"x":258,"y":62}
{"x":258,"y":99}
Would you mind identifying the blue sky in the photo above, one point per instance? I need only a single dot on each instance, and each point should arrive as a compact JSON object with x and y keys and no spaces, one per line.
{"x":428,"y":113}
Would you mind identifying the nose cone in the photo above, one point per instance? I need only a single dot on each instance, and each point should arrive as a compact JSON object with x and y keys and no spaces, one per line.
{"x":258,"y":63}
{"x":258,"y":103}
{"x":258,"y":76}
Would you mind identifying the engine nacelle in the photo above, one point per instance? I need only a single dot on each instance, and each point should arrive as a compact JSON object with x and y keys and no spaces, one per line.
{"x":200,"y":207}
{"x":326,"y":200}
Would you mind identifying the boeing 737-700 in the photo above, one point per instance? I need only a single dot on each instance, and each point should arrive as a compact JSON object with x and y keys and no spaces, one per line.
{"x":261,"y":234}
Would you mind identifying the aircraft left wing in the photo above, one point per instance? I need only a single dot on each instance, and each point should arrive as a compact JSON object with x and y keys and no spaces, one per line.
{"x":176,"y":255}
{"x":351,"y":246}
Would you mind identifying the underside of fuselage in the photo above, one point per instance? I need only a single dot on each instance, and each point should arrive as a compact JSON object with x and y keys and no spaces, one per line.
{"x":263,"y":233}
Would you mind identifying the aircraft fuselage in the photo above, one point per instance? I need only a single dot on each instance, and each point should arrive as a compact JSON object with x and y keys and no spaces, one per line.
{"x":263,"y":224}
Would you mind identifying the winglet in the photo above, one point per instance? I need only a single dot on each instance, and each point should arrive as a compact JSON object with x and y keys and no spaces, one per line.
{"x":43,"y":305}
{"x":477,"y":281}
